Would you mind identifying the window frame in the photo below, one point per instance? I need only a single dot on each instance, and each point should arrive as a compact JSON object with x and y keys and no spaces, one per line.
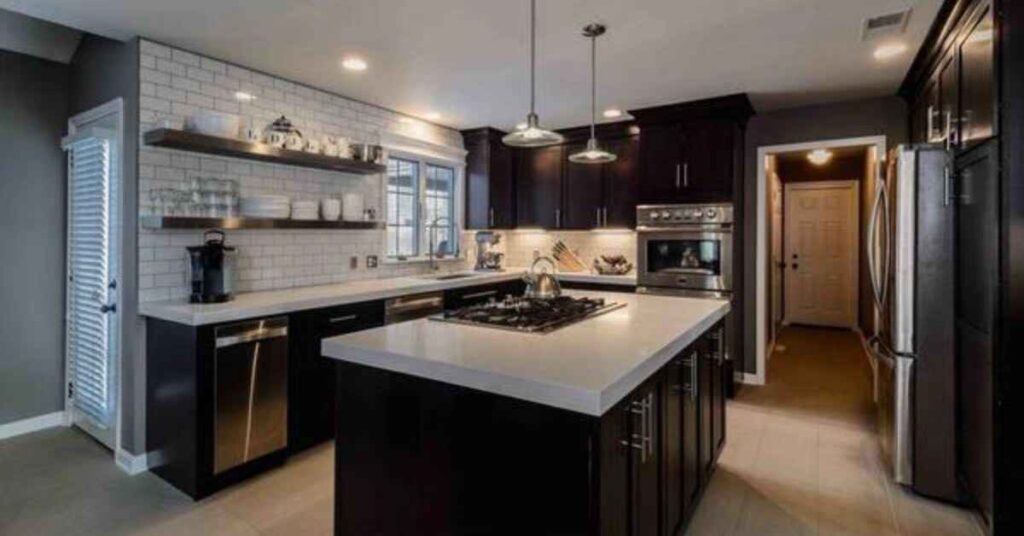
{"x":420,"y":225}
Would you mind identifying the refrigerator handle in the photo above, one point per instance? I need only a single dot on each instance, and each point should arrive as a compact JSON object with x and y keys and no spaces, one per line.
{"x":887,"y":250}
{"x":873,"y":242}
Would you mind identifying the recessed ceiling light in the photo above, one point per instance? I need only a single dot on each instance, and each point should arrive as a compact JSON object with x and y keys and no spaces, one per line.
{"x":354,"y":63}
{"x":432,"y":116}
{"x":612,"y":113}
{"x":819,"y":157}
{"x":890,"y":51}
{"x":522,"y":126}
{"x":244,"y":97}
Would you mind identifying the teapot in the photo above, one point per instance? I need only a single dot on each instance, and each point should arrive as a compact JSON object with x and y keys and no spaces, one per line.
{"x":542,"y":285}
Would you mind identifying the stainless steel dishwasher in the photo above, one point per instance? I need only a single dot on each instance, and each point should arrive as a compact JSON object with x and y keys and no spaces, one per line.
{"x":250,"y":391}
{"x":405,"y":308}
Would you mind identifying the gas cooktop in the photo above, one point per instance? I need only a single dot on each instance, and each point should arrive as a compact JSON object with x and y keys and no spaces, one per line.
{"x":531,"y":315}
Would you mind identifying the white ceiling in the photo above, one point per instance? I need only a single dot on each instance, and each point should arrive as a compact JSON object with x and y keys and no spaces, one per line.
{"x":468,"y":59}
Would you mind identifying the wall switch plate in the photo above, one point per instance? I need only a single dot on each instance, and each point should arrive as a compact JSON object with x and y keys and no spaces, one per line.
{"x":353,"y":262}
{"x":371,"y":261}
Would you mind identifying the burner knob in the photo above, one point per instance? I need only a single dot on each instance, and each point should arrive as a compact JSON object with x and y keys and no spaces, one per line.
{"x":679,"y":214}
{"x":654,"y":215}
{"x":711,"y":213}
{"x":665,"y":215}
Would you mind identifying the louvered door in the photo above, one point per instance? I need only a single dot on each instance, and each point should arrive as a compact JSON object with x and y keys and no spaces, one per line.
{"x":91,"y":315}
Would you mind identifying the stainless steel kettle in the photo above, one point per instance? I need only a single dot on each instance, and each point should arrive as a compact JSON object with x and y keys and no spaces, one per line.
{"x":542,"y":285}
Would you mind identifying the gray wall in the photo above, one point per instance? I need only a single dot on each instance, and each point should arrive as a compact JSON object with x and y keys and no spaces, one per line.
{"x":33,"y":115}
{"x":103,"y":70}
{"x":871,"y":117}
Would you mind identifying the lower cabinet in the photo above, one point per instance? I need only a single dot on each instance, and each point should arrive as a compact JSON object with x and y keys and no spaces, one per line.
{"x":660,"y":445}
{"x":312,"y":381}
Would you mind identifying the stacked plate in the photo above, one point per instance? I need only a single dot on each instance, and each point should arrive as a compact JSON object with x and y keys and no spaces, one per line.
{"x":305,"y":210}
{"x":266,"y":206}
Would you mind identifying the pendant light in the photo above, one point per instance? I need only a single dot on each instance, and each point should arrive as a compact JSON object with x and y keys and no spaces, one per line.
{"x":533,"y":135}
{"x":593,"y":154}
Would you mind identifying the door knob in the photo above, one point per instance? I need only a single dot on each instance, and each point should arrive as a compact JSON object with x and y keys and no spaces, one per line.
{"x":795,"y":266}
{"x":108,"y":308}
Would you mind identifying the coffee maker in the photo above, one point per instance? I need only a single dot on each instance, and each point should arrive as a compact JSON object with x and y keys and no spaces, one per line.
{"x":211,"y":269}
{"x":487,"y":259}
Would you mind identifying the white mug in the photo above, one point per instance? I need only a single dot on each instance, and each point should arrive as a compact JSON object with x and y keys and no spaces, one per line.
{"x":295,"y":142}
{"x":330,"y":209}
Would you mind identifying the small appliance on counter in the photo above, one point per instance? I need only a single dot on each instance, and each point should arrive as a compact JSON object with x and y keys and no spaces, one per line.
{"x":487,"y":259}
{"x":211,"y":269}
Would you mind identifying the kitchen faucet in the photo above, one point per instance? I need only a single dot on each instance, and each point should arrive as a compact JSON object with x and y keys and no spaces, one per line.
{"x":432,"y":226}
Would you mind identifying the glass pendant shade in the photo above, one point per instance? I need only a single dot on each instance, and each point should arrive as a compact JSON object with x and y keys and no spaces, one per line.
{"x":532,"y":135}
{"x":593,"y":154}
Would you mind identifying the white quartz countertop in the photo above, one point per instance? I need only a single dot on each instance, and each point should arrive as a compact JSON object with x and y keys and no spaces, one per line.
{"x":276,"y":302}
{"x":586,"y":367}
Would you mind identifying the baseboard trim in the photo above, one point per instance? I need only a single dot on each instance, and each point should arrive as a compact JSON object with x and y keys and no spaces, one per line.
{"x":130,"y":463}
{"x":32,"y":424}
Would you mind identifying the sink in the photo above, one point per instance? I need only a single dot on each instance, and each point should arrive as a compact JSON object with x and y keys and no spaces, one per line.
{"x":447,"y":277}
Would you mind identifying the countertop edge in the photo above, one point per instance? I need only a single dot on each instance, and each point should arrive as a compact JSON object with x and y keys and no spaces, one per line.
{"x":334,"y":295}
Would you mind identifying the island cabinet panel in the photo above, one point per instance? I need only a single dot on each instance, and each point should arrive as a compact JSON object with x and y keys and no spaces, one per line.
{"x":311,"y":383}
{"x":716,"y":351}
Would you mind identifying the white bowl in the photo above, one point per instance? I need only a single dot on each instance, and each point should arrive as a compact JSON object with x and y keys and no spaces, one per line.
{"x":215,"y":124}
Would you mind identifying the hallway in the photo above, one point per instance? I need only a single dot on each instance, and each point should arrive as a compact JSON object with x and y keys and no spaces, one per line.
{"x":802,"y":457}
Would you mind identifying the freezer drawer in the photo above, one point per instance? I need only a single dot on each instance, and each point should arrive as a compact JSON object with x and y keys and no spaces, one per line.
{"x":895,"y":414}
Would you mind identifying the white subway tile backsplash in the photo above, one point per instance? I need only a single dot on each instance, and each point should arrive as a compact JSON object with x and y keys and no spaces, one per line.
{"x":178,"y":84}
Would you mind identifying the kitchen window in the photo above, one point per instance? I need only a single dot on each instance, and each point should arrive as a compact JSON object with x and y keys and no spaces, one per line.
{"x":421,"y":201}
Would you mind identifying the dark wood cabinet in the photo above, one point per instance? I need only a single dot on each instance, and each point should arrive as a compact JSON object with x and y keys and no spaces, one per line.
{"x":539,"y":187}
{"x":466,"y":296}
{"x":311,"y":391}
{"x":977,"y":77}
{"x":716,"y":343}
{"x":583,"y":206}
{"x":660,"y":163}
{"x":490,"y":180}
{"x":681,"y":444}
{"x":621,"y":183}
{"x":708,"y":159}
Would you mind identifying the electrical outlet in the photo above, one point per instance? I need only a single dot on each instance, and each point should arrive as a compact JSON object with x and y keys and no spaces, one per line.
{"x":371,"y":261}
{"x":353,"y":262}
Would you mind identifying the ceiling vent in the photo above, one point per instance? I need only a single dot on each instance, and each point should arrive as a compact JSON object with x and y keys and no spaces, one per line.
{"x":888,"y":25}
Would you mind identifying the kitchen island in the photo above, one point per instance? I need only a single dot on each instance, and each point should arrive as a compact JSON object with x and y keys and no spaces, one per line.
{"x":607,"y":426}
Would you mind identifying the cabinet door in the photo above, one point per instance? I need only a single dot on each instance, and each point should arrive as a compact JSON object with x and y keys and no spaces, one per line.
{"x":929,"y":101}
{"x":614,"y":504}
{"x":949,"y":100}
{"x":311,"y":376}
{"x":502,"y":211}
{"x":704,"y":395}
{"x":646,"y":468}
{"x":584,"y":195}
{"x":673,"y":386}
{"x":718,"y":380}
{"x":539,"y":187}
{"x":660,"y":163}
{"x":977,"y":85}
{"x":691,"y":430}
{"x":621,"y":183}
{"x":708,"y":151}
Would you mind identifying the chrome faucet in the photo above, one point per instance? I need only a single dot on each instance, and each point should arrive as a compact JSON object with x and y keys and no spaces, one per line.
{"x":432,"y":226}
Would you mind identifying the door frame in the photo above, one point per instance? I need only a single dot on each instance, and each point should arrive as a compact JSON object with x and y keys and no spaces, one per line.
{"x":761,"y":342}
{"x":75,"y":122}
{"x":853,"y":188}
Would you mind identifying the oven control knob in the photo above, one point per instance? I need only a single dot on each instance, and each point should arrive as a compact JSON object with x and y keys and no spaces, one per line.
{"x":711,"y":213}
{"x":654,"y":215}
{"x":678,"y":215}
{"x":694,"y":214}
{"x":665,"y":215}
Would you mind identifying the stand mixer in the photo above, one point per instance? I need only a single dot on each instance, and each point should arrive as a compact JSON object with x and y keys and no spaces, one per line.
{"x":487,"y":259}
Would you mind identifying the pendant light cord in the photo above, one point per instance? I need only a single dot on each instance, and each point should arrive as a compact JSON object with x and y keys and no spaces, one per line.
{"x":533,"y":56}
{"x":593,"y":86}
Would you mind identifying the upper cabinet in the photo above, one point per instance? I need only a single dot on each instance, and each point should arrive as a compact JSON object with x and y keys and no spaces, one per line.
{"x":539,"y":187}
{"x":604,"y":195}
{"x":490,"y":181}
{"x":951,"y":86}
{"x":692,"y":152}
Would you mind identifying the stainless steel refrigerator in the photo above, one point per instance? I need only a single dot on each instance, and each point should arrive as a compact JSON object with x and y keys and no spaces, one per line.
{"x":911,"y":259}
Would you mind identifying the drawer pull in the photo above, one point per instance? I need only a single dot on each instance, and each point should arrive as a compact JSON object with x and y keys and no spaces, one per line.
{"x":340,"y":319}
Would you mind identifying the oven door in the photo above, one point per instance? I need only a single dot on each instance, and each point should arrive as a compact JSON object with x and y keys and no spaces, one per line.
{"x":692,"y":259}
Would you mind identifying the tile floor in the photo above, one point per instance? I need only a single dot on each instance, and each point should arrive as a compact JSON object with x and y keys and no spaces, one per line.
{"x":801,"y":458}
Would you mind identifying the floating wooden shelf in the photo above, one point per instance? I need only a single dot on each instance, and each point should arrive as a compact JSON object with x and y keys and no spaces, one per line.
{"x":201,"y":143}
{"x":185,"y":222}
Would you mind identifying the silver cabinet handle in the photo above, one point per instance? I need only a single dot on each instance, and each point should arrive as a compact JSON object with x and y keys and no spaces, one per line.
{"x":949,"y":130}
{"x":946,"y":177}
{"x":491,"y":216}
{"x":694,"y":383}
{"x":558,"y":218}
{"x":678,"y":175}
{"x":931,"y":123}
{"x":598,"y":216}
{"x":604,"y":216}
{"x":482,"y":294}
{"x":643,"y":441}
{"x":686,"y":175}
{"x":340,"y":319}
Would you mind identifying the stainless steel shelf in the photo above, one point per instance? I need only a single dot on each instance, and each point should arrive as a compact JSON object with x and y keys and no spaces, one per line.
{"x":184,"y":222}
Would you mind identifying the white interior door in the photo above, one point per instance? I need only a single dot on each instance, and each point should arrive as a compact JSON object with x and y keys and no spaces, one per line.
{"x":92,"y":323}
{"x":821,"y":252}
